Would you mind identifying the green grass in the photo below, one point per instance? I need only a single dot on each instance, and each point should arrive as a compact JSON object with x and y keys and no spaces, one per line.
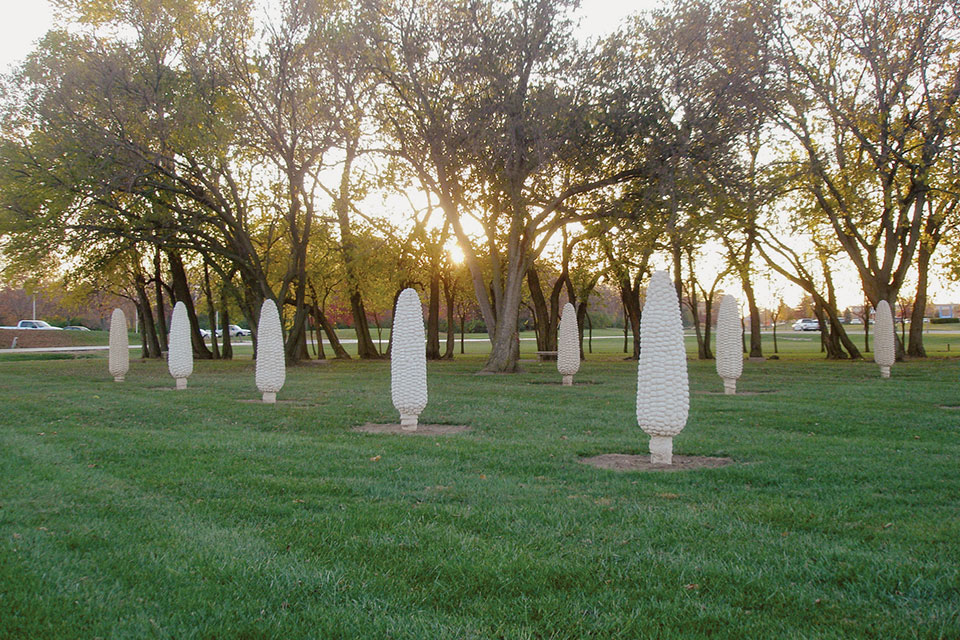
{"x":131,"y":511}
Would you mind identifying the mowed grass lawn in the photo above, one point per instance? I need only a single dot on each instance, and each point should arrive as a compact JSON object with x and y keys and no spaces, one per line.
{"x":132,"y":511}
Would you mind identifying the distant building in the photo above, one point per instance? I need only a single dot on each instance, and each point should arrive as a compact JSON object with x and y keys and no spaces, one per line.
{"x":945,"y":311}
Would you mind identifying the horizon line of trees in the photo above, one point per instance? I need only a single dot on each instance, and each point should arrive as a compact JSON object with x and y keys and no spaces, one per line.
{"x":332,"y":151}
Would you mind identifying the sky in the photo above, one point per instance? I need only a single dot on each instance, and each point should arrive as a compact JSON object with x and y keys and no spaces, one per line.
{"x":25,"y":21}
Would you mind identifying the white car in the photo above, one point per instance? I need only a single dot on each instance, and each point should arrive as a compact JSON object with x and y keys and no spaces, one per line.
{"x":35,"y":324}
{"x":806,"y":324}
{"x":235,"y":331}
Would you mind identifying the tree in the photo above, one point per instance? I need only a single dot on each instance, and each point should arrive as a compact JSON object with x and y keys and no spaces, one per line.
{"x":497,"y":112}
{"x":869,"y":90}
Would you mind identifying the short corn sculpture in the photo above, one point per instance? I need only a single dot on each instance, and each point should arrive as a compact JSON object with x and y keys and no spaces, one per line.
{"x":408,"y":360}
{"x":568,"y":345}
{"x":729,"y":345}
{"x":663,"y":394}
{"x":884,"y":348}
{"x":119,"y":346}
{"x":180,"y":356}
{"x":271,"y":372}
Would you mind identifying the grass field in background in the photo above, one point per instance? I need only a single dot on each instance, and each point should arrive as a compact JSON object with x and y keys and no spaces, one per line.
{"x":132,"y":511}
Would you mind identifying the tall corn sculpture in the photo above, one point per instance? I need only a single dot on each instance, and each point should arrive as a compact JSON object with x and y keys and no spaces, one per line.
{"x":408,"y":360}
{"x":884,"y":348}
{"x":729,"y":345}
{"x":663,"y":394}
{"x":180,"y":356}
{"x":568,"y":345}
{"x":119,"y":346}
{"x":271,"y":372}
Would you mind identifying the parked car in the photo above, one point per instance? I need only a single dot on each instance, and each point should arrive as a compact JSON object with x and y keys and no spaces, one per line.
{"x":234,"y":331}
{"x":205,"y":333}
{"x":806,"y":324}
{"x":32,"y":324}
{"x":75,"y":327}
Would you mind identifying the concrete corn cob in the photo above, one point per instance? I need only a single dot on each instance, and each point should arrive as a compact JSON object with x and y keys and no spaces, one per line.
{"x":408,"y":361}
{"x":663,"y":394}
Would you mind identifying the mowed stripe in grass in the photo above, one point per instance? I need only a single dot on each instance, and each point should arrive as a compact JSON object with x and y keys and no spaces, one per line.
{"x":149,"y":513}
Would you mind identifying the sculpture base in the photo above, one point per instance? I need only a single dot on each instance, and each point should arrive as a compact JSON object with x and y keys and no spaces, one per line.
{"x":269,"y":398}
{"x":408,"y":423}
{"x":568,"y":381}
{"x":730,"y":386}
{"x":661,"y":449}
{"x":884,"y":371}
{"x":181,"y":383}
{"x":118,"y":378}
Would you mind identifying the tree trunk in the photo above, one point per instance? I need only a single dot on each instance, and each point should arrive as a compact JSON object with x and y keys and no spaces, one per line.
{"x":707,"y":326}
{"x":463,"y":320}
{"x":694,"y":305}
{"x":450,"y":297}
{"x":630,"y":298}
{"x":581,"y":317}
{"x":541,"y":317}
{"x":506,"y":340}
{"x":226,"y":352}
{"x":915,"y":347}
{"x":827,"y":340}
{"x":162,"y":330}
{"x":321,"y":319}
{"x":152,"y":345}
{"x":211,"y":312}
{"x":433,"y":317}
{"x":756,"y":347}
{"x":366,"y":349}
{"x":181,"y":289}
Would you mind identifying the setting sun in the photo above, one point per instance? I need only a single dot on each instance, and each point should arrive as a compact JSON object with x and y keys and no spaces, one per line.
{"x":455,"y":253}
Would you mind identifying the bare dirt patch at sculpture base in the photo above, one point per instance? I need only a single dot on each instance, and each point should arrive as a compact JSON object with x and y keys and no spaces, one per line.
{"x":628,"y":462}
{"x":559,"y":383}
{"x":422,"y":429}
{"x":738,"y":393}
{"x":950,"y":407}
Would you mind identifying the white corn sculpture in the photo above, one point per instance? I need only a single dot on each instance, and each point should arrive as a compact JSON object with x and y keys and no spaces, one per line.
{"x":408,"y":360}
{"x":729,"y":345}
{"x":663,"y":394}
{"x":271,"y":373}
{"x":119,"y":346}
{"x":884,"y":349}
{"x":568,"y":345}
{"x":180,"y":356}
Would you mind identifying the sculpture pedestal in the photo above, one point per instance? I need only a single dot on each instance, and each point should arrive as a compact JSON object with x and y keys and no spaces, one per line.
{"x":118,"y":378}
{"x":269,"y":397}
{"x":730,"y":386}
{"x":661,"y":449}
{"x":568,"y":381}
{"x":408,"y":423}
{"x":181,"y":383}
{"x":884,"y":371}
